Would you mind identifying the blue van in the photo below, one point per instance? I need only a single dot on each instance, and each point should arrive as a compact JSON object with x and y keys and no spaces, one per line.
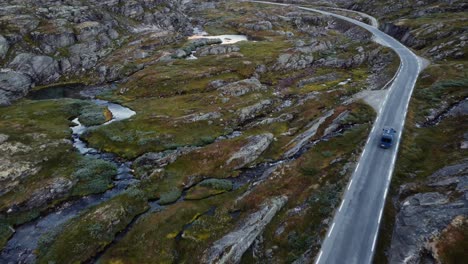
{"x":386,"y":141}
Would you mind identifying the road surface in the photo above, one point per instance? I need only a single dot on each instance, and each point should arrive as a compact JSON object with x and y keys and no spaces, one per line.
{"x":352,"y":235}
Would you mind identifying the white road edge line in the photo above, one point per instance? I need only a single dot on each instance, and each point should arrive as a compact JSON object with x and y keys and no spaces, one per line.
{"x":375,"y":240}
{"x":351,"y":182}
{"x":331,"y":230}
{"x":319,"y":256}
{"x":342,"y":203}
{"x":380,"y":215}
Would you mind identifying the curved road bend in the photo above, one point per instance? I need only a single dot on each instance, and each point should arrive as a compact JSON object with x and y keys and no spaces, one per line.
{"x":352,"y":236}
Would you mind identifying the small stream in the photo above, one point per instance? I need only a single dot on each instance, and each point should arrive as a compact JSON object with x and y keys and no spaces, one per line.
{"x":20,"y":248}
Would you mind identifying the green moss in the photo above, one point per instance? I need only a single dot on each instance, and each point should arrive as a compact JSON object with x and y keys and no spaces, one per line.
{"x":208,"y":188}
{"x":362,"y":114}
{"x":83,"y":237}
{"x":169,"y":197}
{"x":6,"y":231}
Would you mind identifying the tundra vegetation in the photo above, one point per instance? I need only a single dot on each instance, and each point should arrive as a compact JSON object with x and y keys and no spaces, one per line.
{"x":254,"y":139}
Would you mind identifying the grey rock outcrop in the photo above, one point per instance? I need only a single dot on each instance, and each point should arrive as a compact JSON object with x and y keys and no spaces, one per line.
{"x":250,"y":152}
{"x":231,"y":247}
{"x":269,"y":120}
{"x":298,"y":142}
{"x":335,"y":123}
{"x":13,"y":85}
{"x":193,"y":45}
{"x":41,"y":69}
{"x":55,"y":189}
{"x":241,"y":87}
{"x":12,"y":170}
{"x":423,"y":216}
{"x":251,"y":111}
{"x":217,"y":50}
{"x":293,"y":61}
{"x":71,"y":38}
{"x":259,"y":26}
{"x":146,"y":163}
{"x":201,"y":117}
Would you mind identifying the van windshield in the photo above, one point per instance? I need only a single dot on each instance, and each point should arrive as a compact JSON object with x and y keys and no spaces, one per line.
{"x":386,"y":140}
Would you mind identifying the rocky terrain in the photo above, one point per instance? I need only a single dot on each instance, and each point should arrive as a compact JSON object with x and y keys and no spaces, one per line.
{"x":245,"y":124}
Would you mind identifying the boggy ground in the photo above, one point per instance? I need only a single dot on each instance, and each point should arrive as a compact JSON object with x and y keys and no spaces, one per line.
{"x":260,"y":132}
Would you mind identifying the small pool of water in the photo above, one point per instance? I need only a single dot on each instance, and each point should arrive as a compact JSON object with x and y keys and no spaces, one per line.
{"x":226,"y":39}
{"x":57,"y":92}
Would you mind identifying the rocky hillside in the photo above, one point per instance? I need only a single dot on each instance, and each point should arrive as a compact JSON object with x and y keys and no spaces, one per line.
{"x":208,"y":131}
{"x":44,"y":42}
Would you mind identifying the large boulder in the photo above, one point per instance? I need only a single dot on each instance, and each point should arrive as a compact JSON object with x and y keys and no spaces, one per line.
{"x":13,"y":85}
{"x":42,"y":69}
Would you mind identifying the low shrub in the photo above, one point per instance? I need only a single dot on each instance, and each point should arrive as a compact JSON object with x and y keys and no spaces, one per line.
{"x":93,"y":175}
{"x":218,"y":184}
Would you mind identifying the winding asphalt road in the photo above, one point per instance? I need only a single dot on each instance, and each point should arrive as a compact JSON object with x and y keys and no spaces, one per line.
{"x":352,"y":236}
